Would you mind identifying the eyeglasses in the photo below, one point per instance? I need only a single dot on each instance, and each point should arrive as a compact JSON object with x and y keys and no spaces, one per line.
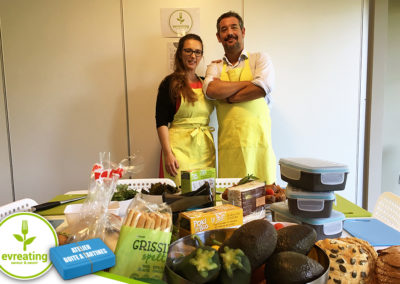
{"x":189,"y":52}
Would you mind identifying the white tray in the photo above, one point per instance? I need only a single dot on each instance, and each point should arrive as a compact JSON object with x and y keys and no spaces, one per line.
{"x":23,"y":205}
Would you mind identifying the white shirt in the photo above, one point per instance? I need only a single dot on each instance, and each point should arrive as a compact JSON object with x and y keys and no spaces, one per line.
{"x":260,"y":65}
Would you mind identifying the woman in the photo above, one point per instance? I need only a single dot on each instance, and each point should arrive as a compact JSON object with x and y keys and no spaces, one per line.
{"x":183,"y":114}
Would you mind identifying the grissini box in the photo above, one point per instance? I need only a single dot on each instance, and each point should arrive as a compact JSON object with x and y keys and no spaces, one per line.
{"x":313,"y":174}
{"x":212,"y":218}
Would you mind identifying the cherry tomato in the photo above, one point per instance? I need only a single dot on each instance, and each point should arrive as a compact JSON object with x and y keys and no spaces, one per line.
{"x":269,"y":191}
{"x":278,"y":226}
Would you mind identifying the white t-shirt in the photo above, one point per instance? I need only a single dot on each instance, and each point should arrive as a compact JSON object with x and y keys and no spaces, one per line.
{"x":260,"y":65}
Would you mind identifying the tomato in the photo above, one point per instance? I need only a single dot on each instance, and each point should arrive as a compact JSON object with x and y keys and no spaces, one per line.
{"x":278,"y":226}
{"x":257,"y":277}
{"x":269,"y":191}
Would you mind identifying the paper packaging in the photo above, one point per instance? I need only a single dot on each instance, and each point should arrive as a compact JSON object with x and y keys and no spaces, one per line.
{"x":81,"y":258}
{"x":144,"y":240}
{"x":218,"y":217}
{"x":193,"y":179}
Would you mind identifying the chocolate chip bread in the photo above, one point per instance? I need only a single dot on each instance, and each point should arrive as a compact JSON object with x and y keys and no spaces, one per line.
{"x":372,"y":254}
{"x":350,"y":261}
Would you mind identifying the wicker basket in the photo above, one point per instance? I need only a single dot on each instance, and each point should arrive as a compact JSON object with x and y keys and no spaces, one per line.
{"x":139,"y":184}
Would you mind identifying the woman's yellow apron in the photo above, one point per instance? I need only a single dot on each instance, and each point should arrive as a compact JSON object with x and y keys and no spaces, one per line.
{"x":244,"y":135}
{"x":190,"y":136}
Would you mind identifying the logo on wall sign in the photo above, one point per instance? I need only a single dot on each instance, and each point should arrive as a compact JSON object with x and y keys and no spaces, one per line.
{"x":180,"y":22}
{"x":25,"y":240}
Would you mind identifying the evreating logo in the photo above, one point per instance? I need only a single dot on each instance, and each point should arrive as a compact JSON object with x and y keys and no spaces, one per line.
{"x":24,"y":231}
{"x":29,"y":259}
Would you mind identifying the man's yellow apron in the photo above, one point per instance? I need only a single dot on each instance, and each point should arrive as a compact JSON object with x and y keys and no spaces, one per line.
{"x":244,"y":135}
{"x":190,"y":136}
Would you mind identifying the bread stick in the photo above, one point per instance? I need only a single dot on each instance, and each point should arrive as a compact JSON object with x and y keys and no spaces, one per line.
{"x":135,"y":219}
{"x":149,"y":222}
{"x":169,"y":222}
{"x":163,"y":223}
{"x":157,"y":221}
{"x":128,"y":219}
{"x":142,"y":220}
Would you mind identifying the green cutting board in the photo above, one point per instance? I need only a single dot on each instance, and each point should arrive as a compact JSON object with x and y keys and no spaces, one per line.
{"x":59,"y":210}
{"x":349,"y":209}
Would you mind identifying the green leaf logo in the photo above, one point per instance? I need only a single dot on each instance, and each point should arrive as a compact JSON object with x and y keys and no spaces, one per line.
{"x":24,"y":231}
{"x":180,"y":19}
{"x":19,"y":238}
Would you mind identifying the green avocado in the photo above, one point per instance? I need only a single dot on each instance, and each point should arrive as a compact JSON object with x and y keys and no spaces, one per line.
{"x":257,"y":239}
{"x":298,"y":238}
{"x":291,"y":267}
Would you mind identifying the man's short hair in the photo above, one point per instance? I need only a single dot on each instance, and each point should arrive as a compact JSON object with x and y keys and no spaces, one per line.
{"x":228,"y":15}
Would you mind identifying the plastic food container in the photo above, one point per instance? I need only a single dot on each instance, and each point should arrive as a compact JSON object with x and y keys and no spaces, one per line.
{"x":314,"y":174}
{"x":331,"y":227}
{"x":309,"y":204}
{"x":72,"y":212}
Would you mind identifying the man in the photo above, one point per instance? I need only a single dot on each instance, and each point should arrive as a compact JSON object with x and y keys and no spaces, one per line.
{"x":241,"y":83}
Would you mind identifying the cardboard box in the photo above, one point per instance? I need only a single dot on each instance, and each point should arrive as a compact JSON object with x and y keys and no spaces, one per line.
{"x":193,"y":179}
{"x":217,"y":217}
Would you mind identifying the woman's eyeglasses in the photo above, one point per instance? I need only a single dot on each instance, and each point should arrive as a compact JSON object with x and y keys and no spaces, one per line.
{"x":189,"y":52}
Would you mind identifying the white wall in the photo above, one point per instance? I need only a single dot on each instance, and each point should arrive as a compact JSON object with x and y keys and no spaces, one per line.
{"x":391,"y":115}
{"x":147,"y":65}
{"x":375,"y":102}
{"x":315,"y":46}
{"x":65,"y":90}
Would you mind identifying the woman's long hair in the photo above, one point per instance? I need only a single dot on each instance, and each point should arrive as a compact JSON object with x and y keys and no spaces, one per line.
{"x":179,"y":82}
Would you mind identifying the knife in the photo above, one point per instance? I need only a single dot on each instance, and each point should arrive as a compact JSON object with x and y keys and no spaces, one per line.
{"x":187,"y":202}
{"x":52,"y":204}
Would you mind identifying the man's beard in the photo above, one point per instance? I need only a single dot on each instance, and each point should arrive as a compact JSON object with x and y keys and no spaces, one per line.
{"x":235,"y":46}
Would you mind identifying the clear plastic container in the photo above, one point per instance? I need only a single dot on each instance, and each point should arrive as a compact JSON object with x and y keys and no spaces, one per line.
{"x":309,"y":204}
{"x":313,"y":174}
{"x":331,"y":227}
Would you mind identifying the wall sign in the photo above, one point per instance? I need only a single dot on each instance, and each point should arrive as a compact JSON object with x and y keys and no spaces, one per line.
{"x":179,"y":21}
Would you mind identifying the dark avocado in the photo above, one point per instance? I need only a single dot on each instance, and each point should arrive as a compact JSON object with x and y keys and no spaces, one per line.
{"x":257,"y":239}
{"x":291,"y":267}
{"x":298,"y":238}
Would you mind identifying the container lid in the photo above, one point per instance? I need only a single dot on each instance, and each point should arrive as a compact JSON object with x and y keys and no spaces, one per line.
{"x":282,"y":208}
{"x":297,"y":193}
{"x":314,"y":165}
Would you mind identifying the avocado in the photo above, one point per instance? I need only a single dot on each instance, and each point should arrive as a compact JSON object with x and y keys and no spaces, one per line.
{"x":257,"y":239}
{"x":291,"y":267}
{"x":298,"y":238}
